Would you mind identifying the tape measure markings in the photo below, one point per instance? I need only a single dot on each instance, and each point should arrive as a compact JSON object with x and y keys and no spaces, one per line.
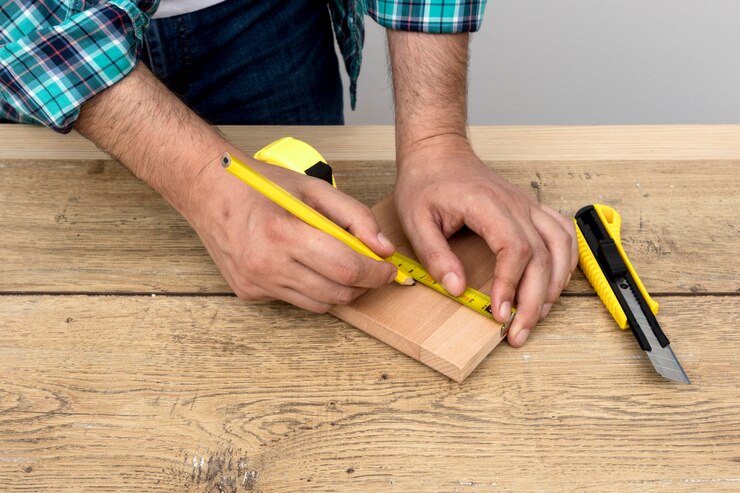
{"x":471,"y":298}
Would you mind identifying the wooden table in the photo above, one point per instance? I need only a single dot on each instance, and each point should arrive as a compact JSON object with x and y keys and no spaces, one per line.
{"x":129,"y":366}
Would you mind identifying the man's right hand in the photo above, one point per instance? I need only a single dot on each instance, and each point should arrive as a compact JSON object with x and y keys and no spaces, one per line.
{"x":263,"y":251}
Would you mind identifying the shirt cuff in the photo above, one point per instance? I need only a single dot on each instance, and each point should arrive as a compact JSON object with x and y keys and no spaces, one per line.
{"x":430,"y":16}
{"x":47,"y":74}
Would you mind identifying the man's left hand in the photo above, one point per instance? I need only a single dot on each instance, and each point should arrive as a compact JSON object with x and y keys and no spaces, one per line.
{"x":441,"y":186}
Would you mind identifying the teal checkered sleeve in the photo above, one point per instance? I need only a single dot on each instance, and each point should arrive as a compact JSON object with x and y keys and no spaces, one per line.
{"x":431,"y":16}
{"x":57,"y":54}
{"x":53,"y":58}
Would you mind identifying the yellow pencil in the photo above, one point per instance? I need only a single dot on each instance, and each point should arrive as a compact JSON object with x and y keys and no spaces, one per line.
{"x":300,"y":209}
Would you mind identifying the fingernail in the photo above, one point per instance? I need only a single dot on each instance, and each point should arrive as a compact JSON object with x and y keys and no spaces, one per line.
{"x":568,"y":280}
{"x":545,"y":310}
{"x":521,"y":337}
{"x":385,"y":241}
{"x":505,"y":311}
{"x":451,"y":282}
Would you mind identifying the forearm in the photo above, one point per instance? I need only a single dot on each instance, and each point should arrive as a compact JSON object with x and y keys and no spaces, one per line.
{"x":535,"y":247}
{"x":262,"y":251}
{"x":430,"y":87}
{"x":148,"y":129}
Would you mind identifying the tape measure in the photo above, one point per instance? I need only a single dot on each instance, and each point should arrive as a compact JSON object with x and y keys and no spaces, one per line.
{"x":300,"y":157}
{"x":471,"y":298}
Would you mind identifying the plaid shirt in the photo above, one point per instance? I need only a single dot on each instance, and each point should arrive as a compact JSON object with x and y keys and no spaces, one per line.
{"x":57,"y":54}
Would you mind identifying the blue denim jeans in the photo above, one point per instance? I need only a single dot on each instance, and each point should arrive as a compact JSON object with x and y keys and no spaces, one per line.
{"x":251,"y":62}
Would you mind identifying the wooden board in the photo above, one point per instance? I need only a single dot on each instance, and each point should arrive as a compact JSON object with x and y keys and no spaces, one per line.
{"x":421,"y":322}
{"x":491,"y":143}
{"x":192,"y":390}
{"x":680,"y":222}
{"x":209,"y":394}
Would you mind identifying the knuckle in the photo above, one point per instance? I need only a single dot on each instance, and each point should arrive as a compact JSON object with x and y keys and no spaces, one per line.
{"x":245,"y":293}
{"x":528,"y":318}
{"x":365,"y":214}
{"x":522,"y":249}
{"x":309,"y":191}
{"x":259,"y":266}
{"x":379,"y":275}
{"x":431,"y":257}
{"x":242,"y":295}
{"x":386,"y":271}
{"x":471,"y":202}
{"x":315,"y":192}
{"x":322,"y":308}
{"x":566,"y":239}
{"x":343,"y":296}
{"x":349,"y":273}
{"x":543,"y":258}
{"x":275,"y":232}
{"x":553,"y":293}
{"x":509,"y":283}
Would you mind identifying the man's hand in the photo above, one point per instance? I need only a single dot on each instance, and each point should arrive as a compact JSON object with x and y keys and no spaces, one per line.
{"x":442,"y":185}
{"x":263,"y":251}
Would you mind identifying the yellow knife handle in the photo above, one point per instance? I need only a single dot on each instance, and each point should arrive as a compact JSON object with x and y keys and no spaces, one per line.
{"x":612,"y":223}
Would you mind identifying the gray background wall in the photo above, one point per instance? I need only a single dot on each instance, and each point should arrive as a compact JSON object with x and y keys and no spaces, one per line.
{"x":588,"y":62}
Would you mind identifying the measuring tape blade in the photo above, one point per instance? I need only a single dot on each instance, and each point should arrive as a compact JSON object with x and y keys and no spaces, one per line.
{"x":471,"y":298}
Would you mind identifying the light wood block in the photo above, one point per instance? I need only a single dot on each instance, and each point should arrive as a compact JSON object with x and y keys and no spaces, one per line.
{"x":421,"y":322}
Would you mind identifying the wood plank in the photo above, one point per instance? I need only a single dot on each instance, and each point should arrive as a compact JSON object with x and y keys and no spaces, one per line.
{"x":61,"y":222}
{"x":211,"y":394}
{"x":562,"y":143}
{"x":421,"y":323}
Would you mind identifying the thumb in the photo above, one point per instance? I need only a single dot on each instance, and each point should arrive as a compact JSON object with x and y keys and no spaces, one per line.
{"x":434,"y":252}
{"x":351,"y":215}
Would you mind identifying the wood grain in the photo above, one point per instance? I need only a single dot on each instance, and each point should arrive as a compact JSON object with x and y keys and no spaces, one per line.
{"x":119,"y":390}
{"x":209,"y":394}
{"x":680,"y":225}
{"x":375,"y":142}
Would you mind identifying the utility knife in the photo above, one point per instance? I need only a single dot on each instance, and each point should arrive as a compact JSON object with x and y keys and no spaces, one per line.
{"x":606,"y":266}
